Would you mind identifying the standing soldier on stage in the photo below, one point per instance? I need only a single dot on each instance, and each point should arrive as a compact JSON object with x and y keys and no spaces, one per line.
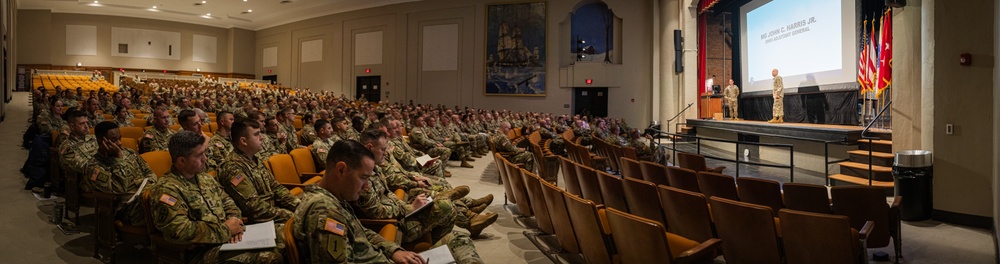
{"x":779,"y":95}
{"x":732,"y":94}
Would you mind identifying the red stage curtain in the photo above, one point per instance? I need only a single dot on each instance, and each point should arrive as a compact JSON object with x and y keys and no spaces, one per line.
{"x":704,"y":5}
{"x":702,"y":54}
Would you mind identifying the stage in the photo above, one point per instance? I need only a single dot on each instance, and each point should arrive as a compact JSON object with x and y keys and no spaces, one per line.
{"x":842,"y":134}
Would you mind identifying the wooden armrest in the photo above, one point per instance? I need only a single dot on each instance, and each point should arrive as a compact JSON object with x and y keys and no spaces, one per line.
{"x":293,"y":185}
{"x":717,"y":169}
{"x":550,"y":157}
{"x":376,"y":224}
{"x":866,"y":229}
{"x":706,"y":251}
{"x":520,"y":165}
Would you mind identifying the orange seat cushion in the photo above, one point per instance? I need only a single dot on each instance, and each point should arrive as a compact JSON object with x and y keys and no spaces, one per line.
{"x":679,"y":244}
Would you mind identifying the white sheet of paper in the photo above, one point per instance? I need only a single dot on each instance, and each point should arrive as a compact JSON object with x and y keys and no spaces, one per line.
{"x":423,"y":160}
{"x":438,"y":255}
{"x":427,"y":204}
{"x":256,"y":236}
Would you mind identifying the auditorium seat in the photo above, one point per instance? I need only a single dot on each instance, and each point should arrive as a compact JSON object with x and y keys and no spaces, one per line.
{"x":654,"y":172}
{"x":131,"y":132}
{"x":684,"y":179}
{"x":591,"y":228}
{"x":631,"y":168}
{"x":305,"y":166}
{"x":517,"y":186}
{"x":139,"y":122}
{"x":760,"y":192}
{"x":533,"y":187}
{"x":640,"y":240}
{"x":166,"y":252}
{"x":501,"y":165}
{"x":806,"y":197}
{"x":108,"y":231}
{"x":159,"y":161}
{"x":130,"y":143}
{"x":686,"y":213}
{"x":569,"y":176}
{"x":811,"y":238}
{"x":611,"y":191}
{"x":695,"y":162}
{"x":555,"y":201}
{"x":867,"y":203}
{"x":283,"y":169}
{"x":291,"y":253}
{"x":748,"y":232}
{"x":589,"y":184}
{"x":643,"y":199}
{"x":715,"y":184}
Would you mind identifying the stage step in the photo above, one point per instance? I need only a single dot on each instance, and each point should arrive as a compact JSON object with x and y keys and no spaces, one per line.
{"x":881,"y":173}
{"x":878,"y":158}
{"x":876,"y":145}
{"x":842,"y":178}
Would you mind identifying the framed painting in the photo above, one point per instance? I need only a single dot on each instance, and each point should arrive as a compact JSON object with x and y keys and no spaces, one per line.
{"x":515,"y":49}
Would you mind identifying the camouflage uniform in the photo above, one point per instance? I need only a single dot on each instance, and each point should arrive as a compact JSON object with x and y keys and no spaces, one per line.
{"x":75,"y":154}
{"x":155,"y":140}
{"x":308,"y":134}
{"x":378,"y":202}
{"x":46,"y":122}
{"x":419,"y":136}
{"x":407,"y":157}
{"x":193,"y":211}
{"x":95,"y":118}
{"x":779,"y":95}
{"x":327,"y":231}
{"x":320,"y":149}
{"x":453,"y":142}
{"x":292,"y":141}
{"x":258,"y":195}
{"x":124,"y":123}
{"x":522,"y":156}
{"x":732,"y":95}
{"x":217,"y":152}
{"x":271,"y":146}
{"x":121,"y":176}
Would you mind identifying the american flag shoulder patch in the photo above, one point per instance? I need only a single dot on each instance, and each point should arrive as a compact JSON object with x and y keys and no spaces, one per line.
{"x":167,"y":199}
{"x":335,"y":227}
{"x":237,"y":180}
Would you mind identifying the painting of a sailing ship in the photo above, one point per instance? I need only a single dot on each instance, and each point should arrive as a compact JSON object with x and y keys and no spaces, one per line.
{"x":515,"y":49}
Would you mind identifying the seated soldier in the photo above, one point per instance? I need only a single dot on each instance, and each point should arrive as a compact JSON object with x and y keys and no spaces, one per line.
{"x":324,"y":141}
{"x":308,"y":131}
{"x":119,"y":171}
{"x":521,"y":155}
{"x":190,"y":207}
{"x":76,"y":151}
{"x":326,"y":229}
{"x":379,"y":202}
{"x":156,"y":139}
{"x":221,"y":145}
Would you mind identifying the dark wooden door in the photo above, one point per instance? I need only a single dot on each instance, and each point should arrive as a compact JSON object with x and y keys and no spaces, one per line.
{"x":369,"y":87}
{"x":590,"y":101}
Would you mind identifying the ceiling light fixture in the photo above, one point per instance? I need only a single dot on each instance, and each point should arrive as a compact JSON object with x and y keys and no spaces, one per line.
{"x":204,"y":2}
{"x":209,"y":14}
{"x":249,"y":10}
{"x":154,"y":7}
{"x":95,"y":2}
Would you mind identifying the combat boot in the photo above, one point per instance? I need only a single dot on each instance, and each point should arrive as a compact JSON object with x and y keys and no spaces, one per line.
{"x":480,"y":222}
{"x":773,"y":120}
{"x":447,"y":174}
{"x":455,"y":193}
{"x":487,"y":200}
{"x":478,"y":208}
{"x":781,"y":119}
{"x":465,"y":164}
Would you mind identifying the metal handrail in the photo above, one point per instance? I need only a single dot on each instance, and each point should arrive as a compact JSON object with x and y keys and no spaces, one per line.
{"x":870,"y":138}
{"x":791,"y":152}
{"x":675,"y":116}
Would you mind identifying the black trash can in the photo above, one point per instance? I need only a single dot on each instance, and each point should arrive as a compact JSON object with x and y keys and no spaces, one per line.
{"x":913,"y":171}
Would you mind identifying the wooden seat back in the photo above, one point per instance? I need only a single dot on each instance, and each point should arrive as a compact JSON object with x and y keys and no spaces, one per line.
{"x":761,"y":192}
{"x":686,"y":213}
{"x":555,"y":201}
{"x":654,"y":172}
{"x":747,"y":231}
{"x":591,"y":229}
{"x":715,"y":184}
{"x":501,"y":164}
{"x":643,"y":199}
{"x":612,"y":191}
{"x":684,"y":179}
{"x":867,"y":203}
{"x":533,"y":186}
{"x":806,"y":197}
{"x":631,"y":168}
{"x":569,"y":176}
{"x":589,"y":184}
{"x":819,"y":238}
{"x":517,"y":186}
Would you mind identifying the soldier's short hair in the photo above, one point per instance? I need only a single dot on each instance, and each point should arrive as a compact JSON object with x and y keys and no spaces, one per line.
{"x":185,"y":115}
{"x":372,"y":135}
{"x":220,"y":114}
{"x":348,"y":151}
{"x":102,"y":128}
{"x":183,"y":143}
{"x":307,"y":118}
{"x":241,"y":128}
{"x":320,"y":124}
{"x":376,"y":126}
{"x":337,"y":120}
{"x":119,"y":109}
{"x":256,"y":114}
{"x":74,"y":113}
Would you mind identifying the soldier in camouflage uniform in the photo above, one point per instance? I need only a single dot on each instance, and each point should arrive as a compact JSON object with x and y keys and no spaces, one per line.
{"x":51,"y":119}
{"x":424,"y":136}
{"x":77,"y":150}
{"x":272,"y":140}
{"x":156,"y":139}
{"x":119,"y":171}
{"x":407,"y":156}
{"x":251,"y":185}
{"x":454,"y":142}
{"x":503,"y":144}
{"x":308,"y":131}
{"x":91,"y":108}
{"x":325,"y":227}
{"x":732,"y":96}
{"x":286,"y":119}
{"x":778,"y":93}
{"x":220,"y":145}
{"x":321,"y":147}
{"x":477,"y":142}
{"x":190,"y":207}
{"x":379,"y":202}
{"x":340,"y":130}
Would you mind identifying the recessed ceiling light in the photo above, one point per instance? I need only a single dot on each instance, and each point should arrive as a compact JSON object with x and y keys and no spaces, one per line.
{"x":204,"y":2}
{"x":95,"y":2}
{"x":154,"y":7}
{"x":209,"y":14}
{"x":249,"y":10}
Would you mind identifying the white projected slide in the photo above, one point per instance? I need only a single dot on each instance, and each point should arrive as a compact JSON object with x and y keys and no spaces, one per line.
{"x":810,"y":42}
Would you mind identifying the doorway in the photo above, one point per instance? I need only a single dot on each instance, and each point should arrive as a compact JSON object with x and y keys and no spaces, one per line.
{"x":590,"y":101}
{"x":368,"y":87}
{"x":272,"y":79}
